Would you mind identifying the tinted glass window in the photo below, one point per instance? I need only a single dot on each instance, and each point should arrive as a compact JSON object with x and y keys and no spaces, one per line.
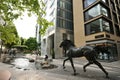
{"x":88,"y":2}
{"x":97,"y":26}
{"x":95,"y":11}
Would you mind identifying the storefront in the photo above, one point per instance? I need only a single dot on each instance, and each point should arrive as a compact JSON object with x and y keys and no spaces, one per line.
{"x":109,"y":51}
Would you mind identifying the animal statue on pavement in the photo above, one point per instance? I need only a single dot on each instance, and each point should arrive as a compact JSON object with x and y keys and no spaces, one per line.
{"x":89,"y":52}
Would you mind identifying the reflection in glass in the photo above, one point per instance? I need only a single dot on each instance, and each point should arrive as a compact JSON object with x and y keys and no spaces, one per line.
{"x":95,"y":11}
{"x":88,"y":2}
{"x":97,"y":26}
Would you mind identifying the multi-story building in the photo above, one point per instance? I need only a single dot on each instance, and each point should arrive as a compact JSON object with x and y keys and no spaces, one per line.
{"x":86,"y":22}
{"x":97,"y":22}
{"x":59,"y":12}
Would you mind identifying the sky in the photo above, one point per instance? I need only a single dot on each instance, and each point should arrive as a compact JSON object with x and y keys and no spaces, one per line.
{"x":26,"y":26}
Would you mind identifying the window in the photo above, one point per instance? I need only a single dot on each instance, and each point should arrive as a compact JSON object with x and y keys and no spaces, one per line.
{"x":112,"y":6}
{"x":64,"y":24}
{"x":115,"y":18}
{"x":106,"y":26}
{"x":61,"y":4}
{"x":68,"y":6}
{"x":88,"y":2}
{"x":95,"y":11}
{"x":65,"y":14}
{"x":98,"y":26}
{"x":93,"y":27}
{"x":104,"y":11}
{"x":64,"y":4}
{"x":52,"y":3}
{"x":117,"y":30}
{"x":52,"y":13}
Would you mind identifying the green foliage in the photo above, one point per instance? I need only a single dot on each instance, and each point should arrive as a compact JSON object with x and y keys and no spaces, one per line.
{"x":12,"y":9}
{"x":45,"y":24}
{"x":31,"y":43}
{"x":9,"y":35}
{"x":22,"y":41}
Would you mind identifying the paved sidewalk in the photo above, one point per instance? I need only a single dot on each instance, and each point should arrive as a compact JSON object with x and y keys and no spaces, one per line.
{"x":60,"y":74}
{"x":114,"y":64}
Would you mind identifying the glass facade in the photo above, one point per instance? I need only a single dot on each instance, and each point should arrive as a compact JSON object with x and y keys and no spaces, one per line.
{"x":65,"y":14}
{"x":102,"y":16}
{"x":96,"y":11}
{"x":110,"y":53}
{"x":98,"y":26}
{"x":88,"y":2}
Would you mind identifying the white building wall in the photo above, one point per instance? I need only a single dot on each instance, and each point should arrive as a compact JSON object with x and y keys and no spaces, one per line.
{"x":50,"y":16}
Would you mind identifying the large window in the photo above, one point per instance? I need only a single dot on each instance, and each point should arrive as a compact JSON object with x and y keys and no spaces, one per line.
{"x":65,"y":5}
{"x":65,"y":14}
{"x":95,"y":11}
{"x":98,"y":26}
{"x":88,"y":2}
{"x":64,"y":24}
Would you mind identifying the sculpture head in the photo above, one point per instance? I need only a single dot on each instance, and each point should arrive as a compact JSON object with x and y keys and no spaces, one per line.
{"x":66,"y":43}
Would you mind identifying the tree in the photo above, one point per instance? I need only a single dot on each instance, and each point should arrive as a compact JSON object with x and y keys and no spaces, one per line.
{"x":9,"y":35}
{"x":31,"y":43}
{"x":12,"y":9}
{"x":22,"y":41}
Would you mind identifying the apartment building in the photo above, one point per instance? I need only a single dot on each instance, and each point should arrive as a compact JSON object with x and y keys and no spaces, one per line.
{"x":85,"y":22}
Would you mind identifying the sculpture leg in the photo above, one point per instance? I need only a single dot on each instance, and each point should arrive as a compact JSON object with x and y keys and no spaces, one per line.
{"x":84,"y":67}
{"x":90,"y":60}
{"x":71,"y":60}
{"x":64,"y":62}
{"x":101,"y":67}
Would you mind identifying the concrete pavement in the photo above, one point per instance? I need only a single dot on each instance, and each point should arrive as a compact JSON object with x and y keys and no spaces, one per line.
{"x":93,"y":72}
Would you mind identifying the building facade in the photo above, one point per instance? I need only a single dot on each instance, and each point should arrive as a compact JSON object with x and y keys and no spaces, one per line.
{"x":85,"y":22}
{"x":97,"y":22}
{"x":38,"y":36}
{"x":59,"y":12}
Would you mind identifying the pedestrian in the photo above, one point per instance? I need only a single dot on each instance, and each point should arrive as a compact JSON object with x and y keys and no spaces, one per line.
{"x":46,"y":57}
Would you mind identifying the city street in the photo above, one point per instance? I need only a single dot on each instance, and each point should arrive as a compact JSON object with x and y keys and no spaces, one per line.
{"x":93,"y":72}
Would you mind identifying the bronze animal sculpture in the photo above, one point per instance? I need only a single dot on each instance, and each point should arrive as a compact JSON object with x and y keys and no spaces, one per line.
{"x":88,"y":52}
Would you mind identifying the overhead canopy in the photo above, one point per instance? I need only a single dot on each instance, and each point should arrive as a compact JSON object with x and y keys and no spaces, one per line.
{"x":20,"y":46}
